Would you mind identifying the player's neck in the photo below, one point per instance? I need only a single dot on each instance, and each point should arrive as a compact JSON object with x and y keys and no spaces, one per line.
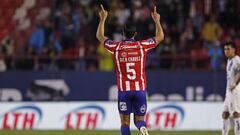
{"x":231,"y":57}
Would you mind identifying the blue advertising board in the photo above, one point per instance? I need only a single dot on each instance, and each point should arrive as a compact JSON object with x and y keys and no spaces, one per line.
{"x":89,"y":86}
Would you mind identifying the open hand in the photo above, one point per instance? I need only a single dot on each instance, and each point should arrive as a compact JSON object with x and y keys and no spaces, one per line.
{"x":103,"y":13}
{"x":155,"y":15}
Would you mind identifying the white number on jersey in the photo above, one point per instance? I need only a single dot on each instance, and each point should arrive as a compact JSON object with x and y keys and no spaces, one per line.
{"x":131,"y":73}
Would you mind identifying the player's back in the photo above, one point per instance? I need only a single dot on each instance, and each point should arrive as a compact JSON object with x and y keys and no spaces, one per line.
{"x":130,"y":62}
{"x":129,"y":59}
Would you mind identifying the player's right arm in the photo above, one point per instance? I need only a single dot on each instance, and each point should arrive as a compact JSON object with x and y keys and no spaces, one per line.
{"x":100,"y":31}
{"x":237,"y":76}
{"x":159,"y":31}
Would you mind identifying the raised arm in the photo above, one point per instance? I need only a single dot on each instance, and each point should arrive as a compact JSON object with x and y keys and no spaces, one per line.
{"x":159,"y":31}
{"x":100,"y":31}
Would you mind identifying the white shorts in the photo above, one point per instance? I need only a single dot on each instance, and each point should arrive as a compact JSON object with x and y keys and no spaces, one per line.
{"x":232,"y":101}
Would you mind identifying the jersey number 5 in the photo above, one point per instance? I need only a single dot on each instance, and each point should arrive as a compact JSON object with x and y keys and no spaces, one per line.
{"x":131,"y":73}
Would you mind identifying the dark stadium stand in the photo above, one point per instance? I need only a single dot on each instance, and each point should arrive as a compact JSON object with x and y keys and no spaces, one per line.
{"x":194,"y":32}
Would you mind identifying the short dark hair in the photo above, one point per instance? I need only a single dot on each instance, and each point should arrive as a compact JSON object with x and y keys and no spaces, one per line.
{"x":129,"y":30}
{"x":230,"y":43}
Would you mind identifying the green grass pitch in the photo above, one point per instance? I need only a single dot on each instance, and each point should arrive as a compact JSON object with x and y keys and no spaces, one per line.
{"x":84,"y":132}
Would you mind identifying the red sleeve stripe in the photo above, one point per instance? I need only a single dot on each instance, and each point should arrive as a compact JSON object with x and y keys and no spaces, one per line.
{"x":142,"y":58}
{"x":118,"y":67}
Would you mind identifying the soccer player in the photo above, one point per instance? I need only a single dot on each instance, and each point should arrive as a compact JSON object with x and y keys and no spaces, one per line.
{"x":232,"y":99}
{"x":129,"y":59}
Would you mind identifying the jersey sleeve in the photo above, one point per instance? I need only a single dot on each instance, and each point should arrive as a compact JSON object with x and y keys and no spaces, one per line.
{"x":110,"y":45}
{"x":148,"y":43}
{"x":237,"y":66}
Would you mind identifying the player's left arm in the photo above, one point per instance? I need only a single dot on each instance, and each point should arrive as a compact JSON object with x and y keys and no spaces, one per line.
{"x":159,"y":36}
{"x":233,"y":86}
{"x":100,"y":31}
{"x":237,"y":71}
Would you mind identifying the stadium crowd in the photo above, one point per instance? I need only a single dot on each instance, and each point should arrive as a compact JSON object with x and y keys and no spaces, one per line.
{"x":60,"y":34}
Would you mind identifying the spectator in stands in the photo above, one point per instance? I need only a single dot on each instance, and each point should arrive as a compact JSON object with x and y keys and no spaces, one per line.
{"x":3,"y":66}
{"x":91,"y":57}
{"x":77,"y":20}
{"x":185,"y":23}
{"x":166,"y":51}
{"x":211,"y":32}
{"x":215,"y":53}
{"x":36,"y":41}
{"x":7,"y":49}
{"x":199,"y":56}
{"x":81,"y":50}
{"x":105,"y":59}
{"x":67,"y":32}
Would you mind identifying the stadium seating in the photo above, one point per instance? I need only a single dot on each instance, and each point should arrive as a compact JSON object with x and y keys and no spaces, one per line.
{"x":20,"y":15}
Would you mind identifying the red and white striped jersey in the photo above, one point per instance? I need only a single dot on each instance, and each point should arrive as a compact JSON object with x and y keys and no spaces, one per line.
{"x":129,"y":58}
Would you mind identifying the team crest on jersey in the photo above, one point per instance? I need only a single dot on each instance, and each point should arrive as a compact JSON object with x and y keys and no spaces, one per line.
{"x":143,"y":108}
{"x":124,"y":54}
{"x":123,"y":106}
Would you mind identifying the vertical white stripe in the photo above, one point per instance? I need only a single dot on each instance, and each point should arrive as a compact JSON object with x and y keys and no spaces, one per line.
{"x":127,"y":85}
{"x":137,"y":85}
{"x":118,"y":67}
{"x":142,"y":56}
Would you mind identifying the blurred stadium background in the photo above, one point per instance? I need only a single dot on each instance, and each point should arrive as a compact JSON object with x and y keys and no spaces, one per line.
{"x":49,"y":53}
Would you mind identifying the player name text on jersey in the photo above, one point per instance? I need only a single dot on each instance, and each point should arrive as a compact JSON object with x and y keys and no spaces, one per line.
{"x":130,"y":59}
